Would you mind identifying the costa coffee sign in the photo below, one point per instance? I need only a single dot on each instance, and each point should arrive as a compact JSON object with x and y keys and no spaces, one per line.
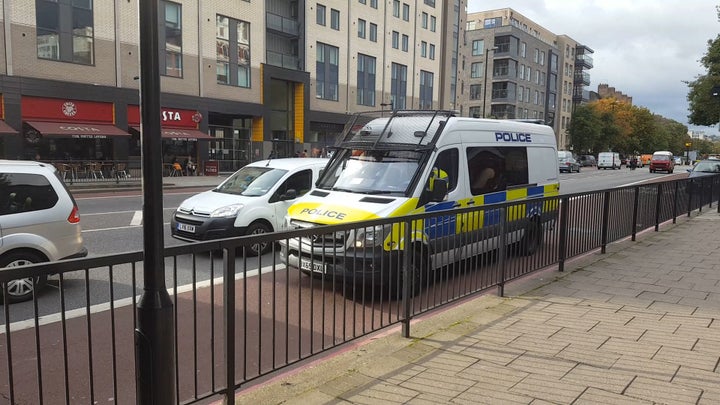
{"x":169,"y":117}
{"x":64,"y":110}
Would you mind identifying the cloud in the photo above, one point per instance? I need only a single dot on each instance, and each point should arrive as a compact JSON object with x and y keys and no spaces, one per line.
{"x":643,"y":48}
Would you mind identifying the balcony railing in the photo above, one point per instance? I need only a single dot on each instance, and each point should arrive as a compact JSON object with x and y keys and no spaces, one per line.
{"x":282,"y":24}
{"x":283,"y":60}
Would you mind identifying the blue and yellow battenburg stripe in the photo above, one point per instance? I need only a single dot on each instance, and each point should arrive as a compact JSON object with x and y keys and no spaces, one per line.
{"x":446,"y":225}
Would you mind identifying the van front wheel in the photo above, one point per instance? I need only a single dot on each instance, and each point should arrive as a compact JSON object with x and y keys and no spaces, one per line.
{"x":258,"y":249}
{"x":417,"y":269}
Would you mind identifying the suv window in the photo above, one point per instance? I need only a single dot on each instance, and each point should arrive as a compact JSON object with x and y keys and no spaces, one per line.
{"x":24,"y":192}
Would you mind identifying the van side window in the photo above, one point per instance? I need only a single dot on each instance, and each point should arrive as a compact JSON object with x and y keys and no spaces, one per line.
{"x":447,"y":162}
{"x":496,"y":169}
{"x":23,"y":192}
{"x":301,"y":182}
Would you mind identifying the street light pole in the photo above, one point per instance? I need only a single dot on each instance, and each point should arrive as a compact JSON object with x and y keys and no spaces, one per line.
{"x":487,"y":53}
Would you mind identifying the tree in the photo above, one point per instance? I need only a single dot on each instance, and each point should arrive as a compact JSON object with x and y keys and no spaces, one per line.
{"x":704,"y":108}
{"x":584,"y":130}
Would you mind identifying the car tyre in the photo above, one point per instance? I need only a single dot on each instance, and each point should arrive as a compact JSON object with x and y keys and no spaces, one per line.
{"x":258,"y":249}
{"x":532,"y":238}
{"x":22,"y":289}
{"x":418,"y":268}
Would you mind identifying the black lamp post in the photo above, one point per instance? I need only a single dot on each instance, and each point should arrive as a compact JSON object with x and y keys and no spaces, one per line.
{"x":487,"y":53}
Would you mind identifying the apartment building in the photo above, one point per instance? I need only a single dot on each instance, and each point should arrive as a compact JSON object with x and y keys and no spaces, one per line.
{"x":239,"y":78}
{"x":515,"y":68}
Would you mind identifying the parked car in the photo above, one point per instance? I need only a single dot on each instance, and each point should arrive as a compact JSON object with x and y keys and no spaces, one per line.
{"x":662,"y":161}
{"x":39,"y":222}
{"x":609,"y":160}
{"x":567,"y":162}
{"x":705,"y":168}
{"x":588,"y":160}
{"x":253,"y":200}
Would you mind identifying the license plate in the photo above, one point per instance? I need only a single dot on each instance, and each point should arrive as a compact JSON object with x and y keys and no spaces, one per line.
{"x":317,"y":267}
{"x":185,"y":227}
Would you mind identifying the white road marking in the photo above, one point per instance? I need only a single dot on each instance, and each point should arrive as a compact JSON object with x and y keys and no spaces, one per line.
{"x":137,"y":218}
{"x":80,"y":312}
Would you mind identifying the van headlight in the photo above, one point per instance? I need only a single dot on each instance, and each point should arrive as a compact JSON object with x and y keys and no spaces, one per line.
{"x":371,"y":236}
{"x":227,"y":211}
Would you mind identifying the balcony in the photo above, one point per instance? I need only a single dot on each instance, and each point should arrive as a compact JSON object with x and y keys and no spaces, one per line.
{"x":583,"y":61}
{"x":581,"y":77}
{"x":282,"y":25}
{"x":283,"y":60}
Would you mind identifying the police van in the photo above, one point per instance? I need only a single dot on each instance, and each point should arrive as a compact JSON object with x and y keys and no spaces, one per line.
{"x":418,"y":162}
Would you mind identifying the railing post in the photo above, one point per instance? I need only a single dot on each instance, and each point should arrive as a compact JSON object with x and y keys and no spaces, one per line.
{"x":635,"y":212}
{"x":605,"y":222}
{"x":675,"y":200}
{"x":406,"y":300}
{"x":710,"y":195}
{"x":691,"y":189}
{"x":657,"y":206}
{"x":702,"y":194}
{"x":502,"y":251}
{"x":562,"y":243}
{"x":717,"y":177}
{"x":229,"y":322}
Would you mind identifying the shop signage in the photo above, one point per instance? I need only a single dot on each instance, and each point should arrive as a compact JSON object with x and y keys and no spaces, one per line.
{"x":64,"y":110}
{"x":169,"y":117}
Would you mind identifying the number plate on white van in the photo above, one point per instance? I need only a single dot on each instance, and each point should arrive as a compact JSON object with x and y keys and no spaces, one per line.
{"x":185,"y":227}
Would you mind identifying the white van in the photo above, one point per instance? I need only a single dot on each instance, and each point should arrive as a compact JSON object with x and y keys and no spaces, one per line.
{"x":422,"y":161}
{"x":609,"y":160}
{"x":253,"y":200}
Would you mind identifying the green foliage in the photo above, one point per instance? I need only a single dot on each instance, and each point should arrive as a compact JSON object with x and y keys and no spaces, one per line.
{"x":584,"y":130}
{"x":704,"y":108}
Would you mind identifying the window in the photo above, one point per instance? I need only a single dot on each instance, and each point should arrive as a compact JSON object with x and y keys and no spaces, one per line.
{"x":495,"y":169}
{"x":232,"y":40}
{"x":448,"y":162}
{"x":374,"y":3}
{"x":326,"y":71}
{"x":528,"y":73}
{"x":476,"y":70}
{"x":475,"y":112}
{"x":320,"y":15}
{"x":395,"y":39}
{"x":424,"y":20}
{"x":373,"y":32}
{"x":65,"y":31}
{"x":475,"y":91}
{"x":432,"y":52}
{"x":478,"y":46}
{"x":423,"y":49}
{"x":173,"y":39}
{"x":362,"y":1}
{"x":396,"y":8}
{"x":430,"y":3}
{"x":536,"y":56}
{"x":405,"y":41}
{"x":521,"y":72}
{"x":366,"y":80}
{"x":25,"y":192}
{"x":335,"y":19}
{"x":433,"y":23}
{"x":520,"y":93}
{"x":398,"y":86}
{"x":523,"y":49}
{"x":406,"y":12}
{"x":361,"y":28}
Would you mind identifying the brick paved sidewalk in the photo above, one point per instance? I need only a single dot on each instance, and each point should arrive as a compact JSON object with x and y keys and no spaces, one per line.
{"x":637,"y":325}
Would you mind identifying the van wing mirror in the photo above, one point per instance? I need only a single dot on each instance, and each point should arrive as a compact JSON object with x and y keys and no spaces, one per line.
{"x":439,"y":190}
{"x":290,"y":194}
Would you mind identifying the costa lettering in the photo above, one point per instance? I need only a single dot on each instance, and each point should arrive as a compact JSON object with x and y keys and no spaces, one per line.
{"x":512,"y":137}
{"x":168,"y":115}
{"x":323,"y":213}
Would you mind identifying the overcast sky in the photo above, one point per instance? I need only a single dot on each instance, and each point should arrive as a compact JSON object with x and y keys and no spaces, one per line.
{"x":643,"y":48}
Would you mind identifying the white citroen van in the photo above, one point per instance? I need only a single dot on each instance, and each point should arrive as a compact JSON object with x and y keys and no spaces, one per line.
{"x":253,"y":200}
{"x":415,"y":162}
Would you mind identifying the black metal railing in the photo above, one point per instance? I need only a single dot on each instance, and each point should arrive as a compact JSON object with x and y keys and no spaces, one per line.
{"x":239,"y":319}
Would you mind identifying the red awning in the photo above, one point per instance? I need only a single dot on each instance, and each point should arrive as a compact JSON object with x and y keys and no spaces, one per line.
{"x":77,"y":130}
{"x":6,"y":129}
{"x":182,"y":134}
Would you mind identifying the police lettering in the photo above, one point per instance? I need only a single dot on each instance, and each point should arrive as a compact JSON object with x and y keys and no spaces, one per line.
{"x":324,"y":213}
{"x":512,"y":137}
